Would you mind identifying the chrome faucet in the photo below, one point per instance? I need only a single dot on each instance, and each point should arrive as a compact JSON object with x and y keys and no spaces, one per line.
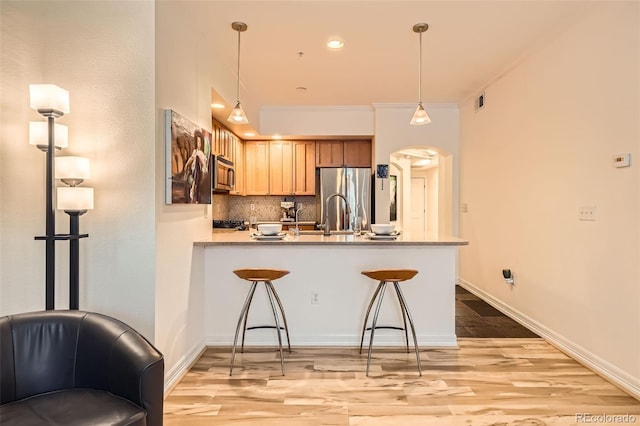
{"x":297,"y":230}
{"x":327,"y":231}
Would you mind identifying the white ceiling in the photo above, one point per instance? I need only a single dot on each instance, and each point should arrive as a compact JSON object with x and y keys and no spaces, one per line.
{"x":468,"y":45}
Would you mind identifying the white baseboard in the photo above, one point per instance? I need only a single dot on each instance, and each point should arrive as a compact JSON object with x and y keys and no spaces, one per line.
{"x":175,"y":374}
{"x":381,"y":339}
{"x":612,"y":373}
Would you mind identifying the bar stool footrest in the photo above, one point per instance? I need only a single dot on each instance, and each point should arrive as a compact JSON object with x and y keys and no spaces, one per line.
{"x":265,"y":326}
{"x":388,"y":327}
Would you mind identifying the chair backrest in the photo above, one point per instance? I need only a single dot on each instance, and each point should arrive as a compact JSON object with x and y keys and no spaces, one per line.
{"x":54,"y":350}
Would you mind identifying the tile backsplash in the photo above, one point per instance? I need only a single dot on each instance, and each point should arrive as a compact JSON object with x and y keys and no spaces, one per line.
{"x":267,"y":208}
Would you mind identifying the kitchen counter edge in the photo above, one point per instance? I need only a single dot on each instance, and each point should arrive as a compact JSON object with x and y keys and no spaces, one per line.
{"x":243,"y":238}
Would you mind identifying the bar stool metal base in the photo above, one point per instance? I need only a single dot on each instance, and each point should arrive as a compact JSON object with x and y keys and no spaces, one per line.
{"x":386,"y":277}
{"x":261,"y":276}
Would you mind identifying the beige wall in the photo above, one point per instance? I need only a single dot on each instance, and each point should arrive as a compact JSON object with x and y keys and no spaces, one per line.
{"x":102,"y":53}
{"x":540,"y":149}
{"x":185,"y":74}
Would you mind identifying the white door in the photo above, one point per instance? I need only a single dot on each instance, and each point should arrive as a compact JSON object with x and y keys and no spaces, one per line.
{"x":418,"y":207}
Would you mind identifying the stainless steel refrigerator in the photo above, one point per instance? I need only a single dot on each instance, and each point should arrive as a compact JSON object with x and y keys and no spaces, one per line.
{"x":355,"y":185}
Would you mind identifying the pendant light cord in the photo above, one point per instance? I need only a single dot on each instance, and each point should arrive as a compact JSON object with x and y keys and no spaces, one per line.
{"x":420,"y":73}
{"x":238,"y":77}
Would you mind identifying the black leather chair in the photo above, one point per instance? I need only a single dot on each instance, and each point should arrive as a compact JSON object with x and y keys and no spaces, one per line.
{"x":77,"y":368}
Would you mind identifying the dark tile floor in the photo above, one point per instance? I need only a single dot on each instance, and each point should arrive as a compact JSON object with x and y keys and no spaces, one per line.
{"x":476,"y":318}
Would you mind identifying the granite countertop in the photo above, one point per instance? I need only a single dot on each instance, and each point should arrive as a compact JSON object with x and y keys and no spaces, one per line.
{"x":244,"y":238}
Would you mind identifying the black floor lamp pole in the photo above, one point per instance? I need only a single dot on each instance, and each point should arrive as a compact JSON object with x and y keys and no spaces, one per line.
{"x":50,"y":241}
{"x":50,"y":236}
{"x":74,"y":263}
{"x":74,"y":257}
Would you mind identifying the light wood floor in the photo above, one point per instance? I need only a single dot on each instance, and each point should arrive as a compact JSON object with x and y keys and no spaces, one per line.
{"x":483,"y":382}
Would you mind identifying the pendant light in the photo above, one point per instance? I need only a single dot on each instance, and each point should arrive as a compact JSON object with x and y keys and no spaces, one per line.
{"x":237,"y":115}
{"x":420,"y":117}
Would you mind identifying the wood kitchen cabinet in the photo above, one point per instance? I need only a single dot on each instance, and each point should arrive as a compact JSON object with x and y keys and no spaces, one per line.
{"x":280,"y":168}
{"x":357,"y":153}
{"x":224,"y":142}
{"x":351,"y":153}
{"x":256,"y":154}
{"x":238,"y":156}
{"x":329,"y":154}
{"x":304,"y":168}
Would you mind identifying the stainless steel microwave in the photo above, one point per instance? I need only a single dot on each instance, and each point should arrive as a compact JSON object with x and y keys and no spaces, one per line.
{"x":224,"y":176}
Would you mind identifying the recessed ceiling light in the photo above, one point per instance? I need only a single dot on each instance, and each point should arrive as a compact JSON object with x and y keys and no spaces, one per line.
{"x":335,"y":43}
{"x":249,"y":134}
{"x":423,"y":162}
{"x":276,"y":136}
{"x":217,"y":105}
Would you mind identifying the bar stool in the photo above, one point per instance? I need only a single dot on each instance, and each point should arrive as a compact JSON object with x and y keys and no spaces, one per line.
{"x":385,"y":276}
{"x":256,"y":275}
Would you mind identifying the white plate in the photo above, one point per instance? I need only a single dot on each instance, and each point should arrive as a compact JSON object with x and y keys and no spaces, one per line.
{"x":373,"y":236}
{"x":261,"y":237}
{"x":392,"y":234}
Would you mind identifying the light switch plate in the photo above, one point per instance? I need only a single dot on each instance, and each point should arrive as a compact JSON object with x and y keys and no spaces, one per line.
{"x":587,"y":213}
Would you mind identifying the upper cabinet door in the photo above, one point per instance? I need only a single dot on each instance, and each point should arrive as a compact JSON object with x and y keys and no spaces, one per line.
{"x":329,"y":154}
{"x":357,"y":153}
{"x":280,"y":168}
{"x":256,"y":168}
{"x":238,"y":165}
{"x":304,"y":173}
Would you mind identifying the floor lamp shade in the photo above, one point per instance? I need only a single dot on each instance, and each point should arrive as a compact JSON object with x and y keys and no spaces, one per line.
{"x":39,"y":134}
{"x":74,"y":198}
{"x":49,"y":97}
{"x":72,"y":170}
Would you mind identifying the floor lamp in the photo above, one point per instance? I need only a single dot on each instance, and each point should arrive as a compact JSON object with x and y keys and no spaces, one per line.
{"x":51,"y":102}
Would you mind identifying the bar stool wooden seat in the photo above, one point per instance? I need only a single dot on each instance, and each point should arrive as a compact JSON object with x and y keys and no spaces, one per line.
{"x":385,"y":276}
{"x":266,"y":276}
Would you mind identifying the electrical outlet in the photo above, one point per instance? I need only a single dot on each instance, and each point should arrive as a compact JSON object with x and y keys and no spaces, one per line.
{"x":587,"y":213}
{"x":315,"y":297}
{"x":252,"y":206}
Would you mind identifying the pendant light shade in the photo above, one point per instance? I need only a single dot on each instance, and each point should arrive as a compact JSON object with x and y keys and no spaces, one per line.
{"x":420,"y":117}
{"x":237,"y":115}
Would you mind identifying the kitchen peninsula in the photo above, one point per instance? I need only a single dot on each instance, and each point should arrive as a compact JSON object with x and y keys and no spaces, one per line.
{"x":325,"y":296}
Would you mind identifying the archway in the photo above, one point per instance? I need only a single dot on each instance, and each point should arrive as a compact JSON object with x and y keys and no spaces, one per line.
{"x":422,"y":176}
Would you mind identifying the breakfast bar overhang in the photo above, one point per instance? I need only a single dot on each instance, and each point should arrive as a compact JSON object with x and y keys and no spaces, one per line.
{"x":325,"y":296}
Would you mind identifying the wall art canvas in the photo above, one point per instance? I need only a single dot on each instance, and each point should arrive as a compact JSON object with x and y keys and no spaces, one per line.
{"x":188,"y":161}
